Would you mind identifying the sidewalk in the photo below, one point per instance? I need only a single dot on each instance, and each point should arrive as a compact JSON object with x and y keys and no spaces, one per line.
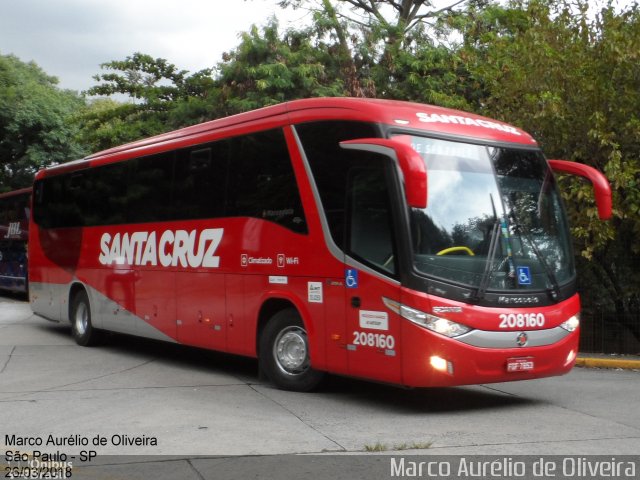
{"x":603,"y":360}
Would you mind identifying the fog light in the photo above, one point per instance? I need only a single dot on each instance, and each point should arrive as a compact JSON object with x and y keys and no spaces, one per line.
{"x":570,"y":358}
{"x":441,"y":364}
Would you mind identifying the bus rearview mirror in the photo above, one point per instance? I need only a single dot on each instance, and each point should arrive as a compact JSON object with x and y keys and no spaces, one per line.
{"x":601,"y":187}
{"x":408,"y":160}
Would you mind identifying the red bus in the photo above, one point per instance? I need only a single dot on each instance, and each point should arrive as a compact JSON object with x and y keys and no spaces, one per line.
{"x":14,"y":234}
{"x":385,"y":240}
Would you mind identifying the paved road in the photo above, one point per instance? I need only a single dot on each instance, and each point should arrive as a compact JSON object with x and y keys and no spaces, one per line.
{"x":193,"y":402}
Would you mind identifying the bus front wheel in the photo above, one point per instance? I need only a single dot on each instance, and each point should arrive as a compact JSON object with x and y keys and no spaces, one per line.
{"x":83,"y":332}
{"x":284,"y":353}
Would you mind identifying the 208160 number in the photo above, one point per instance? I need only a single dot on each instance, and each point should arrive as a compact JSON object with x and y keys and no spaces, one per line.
{"x":522,"y":320}
{"x":378,"y":340}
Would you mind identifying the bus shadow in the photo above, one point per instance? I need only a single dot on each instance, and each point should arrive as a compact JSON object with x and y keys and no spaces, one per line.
{"x":359,"y":393}
{"x":183,"y":356}
{"x":170,"y":354}
{"x":421,"y":400}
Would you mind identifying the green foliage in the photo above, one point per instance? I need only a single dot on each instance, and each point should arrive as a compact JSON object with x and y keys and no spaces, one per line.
{"x":162,"y":98}
{"x":335,"y":56}
{"x":390,"y":49}
{"x":267,"y":68}
{"x":571,"y":76}
{"x":571,"y":81}
{"x":35,"y":122}
{"x":143,"y":78}
{"x":107,"y":123}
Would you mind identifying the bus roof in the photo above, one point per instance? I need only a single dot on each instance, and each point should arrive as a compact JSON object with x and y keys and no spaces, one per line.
{"x":394,"y":113}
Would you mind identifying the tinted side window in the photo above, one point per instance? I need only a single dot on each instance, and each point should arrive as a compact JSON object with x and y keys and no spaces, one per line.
{"x":149,"y":193}
{"x":85,"y":198}
{"x":14,"y":209}
{"x":370,"y":225}
{"x":105,"y":192}
{"x":329,"y":165}
{"x":249,"y":176}
{"x":262,"y":182}
{"x":51,"y":208}
{"x":200,"y":182}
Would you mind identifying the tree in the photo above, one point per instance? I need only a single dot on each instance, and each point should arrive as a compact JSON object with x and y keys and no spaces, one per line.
{"x":162,"y":98}
{"x":267,"y":68}
{"x":107,"y":123}
{"x":36,"y":127}
{"x":572,"y":79}
{"x":382,"y":45}
{"x":152,"y":81}
{"x":336,"y":55}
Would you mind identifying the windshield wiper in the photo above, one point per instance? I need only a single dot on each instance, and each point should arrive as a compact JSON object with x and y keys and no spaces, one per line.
{"x":554,"y":291}
{"x":499,"y":230}
{"x":491,"y":254}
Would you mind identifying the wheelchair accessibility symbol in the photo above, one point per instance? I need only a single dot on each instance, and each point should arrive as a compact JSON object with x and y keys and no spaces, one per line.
{"x":524,"y":275}
{"x":351,"y":278}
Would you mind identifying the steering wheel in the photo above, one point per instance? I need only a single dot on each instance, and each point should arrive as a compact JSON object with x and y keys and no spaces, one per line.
{"x":466,"y":250}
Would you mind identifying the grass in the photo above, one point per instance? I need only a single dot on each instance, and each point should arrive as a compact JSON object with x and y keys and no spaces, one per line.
{"x":413,"y":446}
{"x":383,"y":447}
{"x":376,"y":447}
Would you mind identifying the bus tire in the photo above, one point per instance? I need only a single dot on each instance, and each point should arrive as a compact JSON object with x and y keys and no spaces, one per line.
{"x":284,"y":353}
{"x":80,"y":315}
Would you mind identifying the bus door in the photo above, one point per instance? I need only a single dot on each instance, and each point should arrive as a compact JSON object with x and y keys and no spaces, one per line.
{"x":373,"y":330}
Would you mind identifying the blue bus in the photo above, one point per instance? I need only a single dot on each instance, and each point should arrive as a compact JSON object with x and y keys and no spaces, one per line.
{"x":14,"y":235}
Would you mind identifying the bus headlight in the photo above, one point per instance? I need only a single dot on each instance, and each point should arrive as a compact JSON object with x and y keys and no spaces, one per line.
{"x":571,"y":324}
{"x":435,"y":324}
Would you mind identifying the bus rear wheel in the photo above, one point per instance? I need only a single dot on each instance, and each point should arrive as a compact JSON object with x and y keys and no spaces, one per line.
{"x":80,"y":315}
{"x":284,"y":353}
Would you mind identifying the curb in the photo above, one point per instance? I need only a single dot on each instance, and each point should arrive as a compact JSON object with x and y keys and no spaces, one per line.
{"x":594,"y":362}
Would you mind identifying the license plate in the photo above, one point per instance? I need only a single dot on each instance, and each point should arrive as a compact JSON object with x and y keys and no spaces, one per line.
{"x":520,"y":364}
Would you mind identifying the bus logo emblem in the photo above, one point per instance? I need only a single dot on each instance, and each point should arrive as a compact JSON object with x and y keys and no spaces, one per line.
{"x":244,"y":260}
{"x":14,"y":230}
{"x":522,"y":339}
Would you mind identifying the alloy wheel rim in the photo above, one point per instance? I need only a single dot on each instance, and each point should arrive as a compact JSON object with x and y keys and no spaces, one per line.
{"x":291,"y":352}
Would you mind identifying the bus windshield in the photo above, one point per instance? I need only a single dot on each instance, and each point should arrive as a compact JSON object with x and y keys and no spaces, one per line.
{"x":494,"y":219}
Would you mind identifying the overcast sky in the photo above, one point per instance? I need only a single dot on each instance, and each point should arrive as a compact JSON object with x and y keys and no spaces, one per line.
{"x":71,"y":38}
